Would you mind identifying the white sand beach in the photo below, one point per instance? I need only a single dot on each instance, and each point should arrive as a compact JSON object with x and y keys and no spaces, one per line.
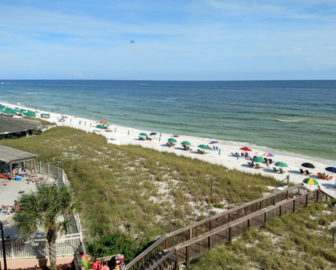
{"x":124,"y":135}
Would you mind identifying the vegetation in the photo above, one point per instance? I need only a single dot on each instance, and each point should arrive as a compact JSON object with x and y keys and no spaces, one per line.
{"x":294,"y":241}
{"x":43,"y":209}
{"x":135,"y":192}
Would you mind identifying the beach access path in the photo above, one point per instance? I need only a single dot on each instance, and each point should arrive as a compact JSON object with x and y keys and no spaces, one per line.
{"x":125,"y":136}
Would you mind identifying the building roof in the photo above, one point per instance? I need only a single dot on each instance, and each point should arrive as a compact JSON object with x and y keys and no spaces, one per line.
{"x":8,"y":154}
{"x":13,"y":125}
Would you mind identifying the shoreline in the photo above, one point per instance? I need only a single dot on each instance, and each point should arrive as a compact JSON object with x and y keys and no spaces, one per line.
{"x":121,"y":135}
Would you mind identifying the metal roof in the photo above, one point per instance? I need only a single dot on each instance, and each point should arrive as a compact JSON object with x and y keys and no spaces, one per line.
{"x":13,"y":125}
{"x":8,"y":154}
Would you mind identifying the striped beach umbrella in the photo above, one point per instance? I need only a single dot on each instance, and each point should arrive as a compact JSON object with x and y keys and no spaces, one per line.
{"x":268,"y":155}
{"x":311,"y":181}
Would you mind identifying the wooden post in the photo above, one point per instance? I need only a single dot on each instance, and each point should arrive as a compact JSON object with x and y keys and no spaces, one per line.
{"x":260,"y":204}
{"x":333,"y":230}
{"x":176,"y":261}
{"x":229,"y":217}
{"x":245,"y":208}
{"x":287,"y":194}
{"x":265,"y":217}
{"x":293,"y":205}
{"x":306,"y":199}
{"x":187,"y":255}
{"x":143,"y":260}
{"x":210,"y":242}
{"x":317,"y":195}
{"x":11,"y":170}
{"x":190,"y":233}
{"x":280,"y":211}
{"x":210,"y":226}
{"x":166,"y":243}
{"x":248,"y":223}
{"x":230,"y":234}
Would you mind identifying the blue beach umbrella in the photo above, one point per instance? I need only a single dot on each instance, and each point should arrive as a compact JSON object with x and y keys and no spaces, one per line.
{"x":152,"y":133}
{"x":331,"y":169}
{"x":213,"y":142}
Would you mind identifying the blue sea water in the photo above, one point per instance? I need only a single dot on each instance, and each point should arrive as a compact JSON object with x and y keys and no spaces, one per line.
{"x":296,"y":116}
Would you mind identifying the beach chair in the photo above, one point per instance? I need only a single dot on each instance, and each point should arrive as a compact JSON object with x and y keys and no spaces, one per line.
{"x":281,"y":170}
{"x":275,"y":169}
{"x":302,"y":171}
{"x":201,"y":151}
{"x":308,"y":172}
{"x":257,"y":166}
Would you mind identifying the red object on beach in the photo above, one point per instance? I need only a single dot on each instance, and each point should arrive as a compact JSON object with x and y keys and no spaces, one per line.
{"x":245,"y":149}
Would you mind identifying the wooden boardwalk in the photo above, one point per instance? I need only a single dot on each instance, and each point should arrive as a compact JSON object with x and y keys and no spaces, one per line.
{"x":186,"y":244}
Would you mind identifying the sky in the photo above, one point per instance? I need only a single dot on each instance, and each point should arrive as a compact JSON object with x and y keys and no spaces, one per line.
{"x":173,"y":39}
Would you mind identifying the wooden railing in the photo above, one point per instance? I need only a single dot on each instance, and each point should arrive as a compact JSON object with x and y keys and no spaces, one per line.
{"x":184,"y":253}
{"x":170,"y":240}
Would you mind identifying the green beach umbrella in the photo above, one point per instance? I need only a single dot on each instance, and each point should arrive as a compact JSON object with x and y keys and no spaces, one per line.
{"x":172,"y":140}
{"x":311,"y":182}
{"x":143,"y":134}
{"x":259,"y":159}
{"x":203,"y":146}
{"x":185,"y":143}
{"x":281,"y":164}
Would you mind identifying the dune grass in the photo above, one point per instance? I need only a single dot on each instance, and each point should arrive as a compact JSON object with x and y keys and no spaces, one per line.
{"x":140,"y":193}
{"x":294,"y":241}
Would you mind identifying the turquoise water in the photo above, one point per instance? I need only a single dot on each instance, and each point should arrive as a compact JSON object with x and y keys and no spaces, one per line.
{"x":296,"y":116}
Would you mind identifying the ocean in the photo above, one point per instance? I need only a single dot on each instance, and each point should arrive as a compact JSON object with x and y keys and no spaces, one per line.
{"x":295,"y":116}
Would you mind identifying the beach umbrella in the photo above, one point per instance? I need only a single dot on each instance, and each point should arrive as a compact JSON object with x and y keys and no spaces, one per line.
{"x":311,"y":182}
{"x":308,"y":165}
{"x":245,"y":149}
{"x":213,"y":142}
{"x":143,"y":134}
{"x":172,"y":140}
{"x":259,"y":159}
{"x":281,"y":164}
{"x":269,"y":155}
{"x":153,"y":133}
{"x":185,"y":143}
{"x":331,"y":169}
{"x":203,"y":146}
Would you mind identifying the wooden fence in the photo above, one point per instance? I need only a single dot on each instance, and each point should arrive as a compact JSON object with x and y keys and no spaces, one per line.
{"x":184,"y":253}
{"x":253,"y":213}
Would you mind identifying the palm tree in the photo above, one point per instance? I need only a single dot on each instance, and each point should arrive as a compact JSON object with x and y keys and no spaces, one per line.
{"x":42,"y":209}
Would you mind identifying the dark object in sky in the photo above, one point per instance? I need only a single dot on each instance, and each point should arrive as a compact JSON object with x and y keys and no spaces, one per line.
{"x":132,"y":41}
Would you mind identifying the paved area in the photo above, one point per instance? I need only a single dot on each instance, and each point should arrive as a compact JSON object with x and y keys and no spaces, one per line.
{"x":11,"y":191}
